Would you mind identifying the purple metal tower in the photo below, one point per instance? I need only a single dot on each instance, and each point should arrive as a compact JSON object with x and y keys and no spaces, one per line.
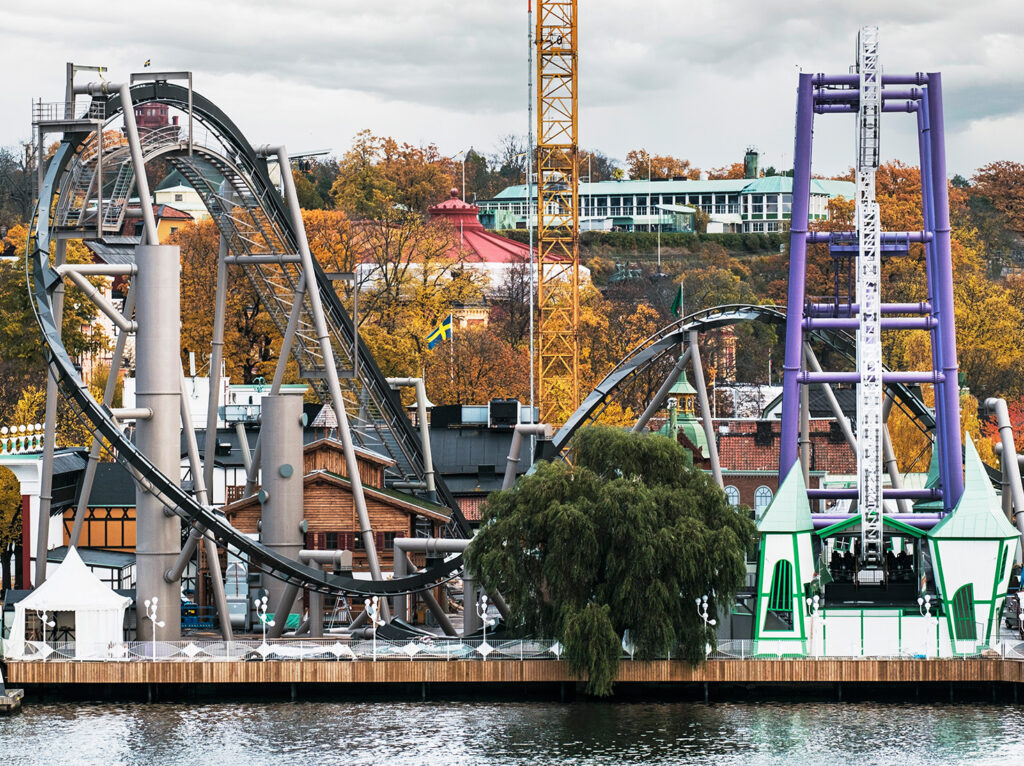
{"x":867,"y":94}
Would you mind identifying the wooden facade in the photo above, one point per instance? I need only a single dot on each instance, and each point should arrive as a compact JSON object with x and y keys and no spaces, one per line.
{"x":109,"y":527}
{"x":765,"y":672}
{"x":329,"y":509}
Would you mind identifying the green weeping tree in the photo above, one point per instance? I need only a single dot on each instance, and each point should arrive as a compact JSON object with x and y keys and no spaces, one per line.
{"x":627,"y":537}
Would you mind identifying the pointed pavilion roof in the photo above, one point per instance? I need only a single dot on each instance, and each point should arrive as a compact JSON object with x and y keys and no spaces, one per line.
{"x":682,"y":386}
{"x":930,"y":506}
{"x":979,"y":513}
{"x":789,"y":511}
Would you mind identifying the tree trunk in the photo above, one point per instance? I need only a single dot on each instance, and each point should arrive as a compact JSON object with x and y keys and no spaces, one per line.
{"x":5,"y":564}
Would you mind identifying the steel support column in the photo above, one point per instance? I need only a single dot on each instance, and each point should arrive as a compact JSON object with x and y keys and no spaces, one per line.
{"x":157,"y":372}
{"x":797,"y":275}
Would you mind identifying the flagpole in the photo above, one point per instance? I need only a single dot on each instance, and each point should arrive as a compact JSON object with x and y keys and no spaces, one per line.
{"x":451,"y":355}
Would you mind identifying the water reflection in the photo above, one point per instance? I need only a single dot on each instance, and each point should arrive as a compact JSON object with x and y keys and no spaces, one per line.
{"x":508,"y":733}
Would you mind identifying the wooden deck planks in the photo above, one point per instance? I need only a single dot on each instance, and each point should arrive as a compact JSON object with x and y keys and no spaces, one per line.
{"x":772,"y":672}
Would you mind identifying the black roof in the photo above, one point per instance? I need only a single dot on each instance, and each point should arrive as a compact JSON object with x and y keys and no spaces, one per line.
{"x":112,"y":487}
{"x":94,"y":557}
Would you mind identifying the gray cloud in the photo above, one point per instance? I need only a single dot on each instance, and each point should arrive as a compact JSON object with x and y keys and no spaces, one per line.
{"x":697,"y":79}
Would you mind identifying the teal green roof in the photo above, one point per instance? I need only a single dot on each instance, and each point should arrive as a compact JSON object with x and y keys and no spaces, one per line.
{"x":930,"y":506}
{"x":682,"y":386}
{"x":979,"y":513}
{"x":640,"y":187}
{"x":769,"y":185}
{"x":790,"y":510}
{"x":834,"y":188}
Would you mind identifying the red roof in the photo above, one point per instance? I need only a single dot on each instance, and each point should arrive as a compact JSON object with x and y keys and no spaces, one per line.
{"x":738,"y":449}
{"x":483,"y":246}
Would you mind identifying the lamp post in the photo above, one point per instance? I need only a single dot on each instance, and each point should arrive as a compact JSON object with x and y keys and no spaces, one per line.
{"x":373,"y":613}
{"x":261,"y":613}
{"x":151,"y":605}
{"x":814,"y":604}
{"x":924,"y":605}
{"x":44,"y":618}
{"x":709,"y":622}
{"x":481,"y":611}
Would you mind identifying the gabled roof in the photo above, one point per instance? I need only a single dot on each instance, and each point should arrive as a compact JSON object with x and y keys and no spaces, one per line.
{"x":979,"y":513}
{"x":333,"y":444}
{"x":790,"y":510}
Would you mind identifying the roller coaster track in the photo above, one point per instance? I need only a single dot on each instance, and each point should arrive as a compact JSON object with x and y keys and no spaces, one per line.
{"x":251,"y":216}
{"x":659,"y":348}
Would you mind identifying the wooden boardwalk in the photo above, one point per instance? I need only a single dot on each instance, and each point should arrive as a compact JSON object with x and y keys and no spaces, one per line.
{"x":717,"y":672}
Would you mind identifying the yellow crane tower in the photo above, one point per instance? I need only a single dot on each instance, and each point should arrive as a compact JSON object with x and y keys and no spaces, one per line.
{"x":558,"y":263}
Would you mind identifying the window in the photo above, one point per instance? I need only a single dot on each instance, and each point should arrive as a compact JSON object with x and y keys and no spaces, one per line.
{"x":780,"y":599}
{"x":964,"y":626}
{"x":757,"y":226}
{"x":757,"y":204}
{"x":787,"y":204}
{"x":732,"y":495}
{"x":174,"y":229}
{"x":772,"y":204}
{"x":762,"y":499}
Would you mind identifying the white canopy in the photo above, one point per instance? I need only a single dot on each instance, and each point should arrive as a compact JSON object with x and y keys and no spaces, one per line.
{"x":72,"y":587}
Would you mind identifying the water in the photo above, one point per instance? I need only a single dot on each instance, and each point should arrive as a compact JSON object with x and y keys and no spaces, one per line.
{"x":514,"y":733}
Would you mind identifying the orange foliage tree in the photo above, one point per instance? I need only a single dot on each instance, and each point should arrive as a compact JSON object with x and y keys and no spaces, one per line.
{"x":661,"y":166}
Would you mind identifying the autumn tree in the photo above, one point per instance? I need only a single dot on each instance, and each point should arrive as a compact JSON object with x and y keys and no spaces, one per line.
{"x":474,"y":366}
{"x":733,"y":171}
{"x":10,"y":522}
{"x":378,"y":175}
{"x":249,"y":332}
{"x":1002,"y":184}
{"x":22,"y":362}
{"x":660,"y":167}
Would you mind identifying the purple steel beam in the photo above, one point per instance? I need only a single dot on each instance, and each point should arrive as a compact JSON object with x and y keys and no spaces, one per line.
{"x":887,"y":308}
{"x":852,"y":323}
{"x":918,"y":520}
{"x":889,"y":106}
{"x":853,"y":80}
{"x":822,"y":95}
{"x":827,"y":237}
{"x":888,"y":494}
{"x":949,"y":390}
{"x":927,"y":206}
{"x":907,"y":378}
{"x":797,"y":273}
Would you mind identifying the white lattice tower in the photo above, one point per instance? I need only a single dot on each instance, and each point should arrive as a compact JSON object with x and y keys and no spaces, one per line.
{"x":870,"y":424}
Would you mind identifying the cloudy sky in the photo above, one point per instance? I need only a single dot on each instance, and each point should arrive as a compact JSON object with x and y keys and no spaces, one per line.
{"x":701,"y":80}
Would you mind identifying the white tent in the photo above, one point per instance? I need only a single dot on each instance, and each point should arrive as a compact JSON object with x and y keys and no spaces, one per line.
{"x":72,"y":587}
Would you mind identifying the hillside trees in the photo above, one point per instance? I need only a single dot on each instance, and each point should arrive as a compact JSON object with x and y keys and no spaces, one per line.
{"x":661,"y":166}
{"x":623,"y":539}
{"x":22,"y":361}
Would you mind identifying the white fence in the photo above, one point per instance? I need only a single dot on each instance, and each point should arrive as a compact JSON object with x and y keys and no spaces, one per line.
{"x":367,"y":650}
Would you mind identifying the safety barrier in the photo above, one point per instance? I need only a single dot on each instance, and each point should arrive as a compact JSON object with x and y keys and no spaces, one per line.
{"x":425,"y":648}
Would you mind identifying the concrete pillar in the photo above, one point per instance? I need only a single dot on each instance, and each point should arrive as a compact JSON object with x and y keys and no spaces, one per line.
{"x":157,"y":372}
{"x":281,"y":493}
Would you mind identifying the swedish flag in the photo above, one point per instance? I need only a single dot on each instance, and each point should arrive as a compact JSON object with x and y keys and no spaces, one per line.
{"x":442,"y":332}
{"x":148,"y":62}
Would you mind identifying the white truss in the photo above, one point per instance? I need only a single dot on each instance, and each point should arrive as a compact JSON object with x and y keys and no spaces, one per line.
{"x":870,"y":425}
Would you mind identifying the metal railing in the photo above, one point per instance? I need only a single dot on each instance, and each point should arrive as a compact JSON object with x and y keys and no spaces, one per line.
{"x":21,"y":440}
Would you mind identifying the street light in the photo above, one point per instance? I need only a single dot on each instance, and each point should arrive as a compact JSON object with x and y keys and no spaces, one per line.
{"x":373,"y":613}
{"x":261,"y":613}
{"x":151,"y":610}
{"x":924,"y":605}
{"x":702,"y":612}
{"x":44,"y":618}
{"x":481,"y":611}
{"x":814,"y":603}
